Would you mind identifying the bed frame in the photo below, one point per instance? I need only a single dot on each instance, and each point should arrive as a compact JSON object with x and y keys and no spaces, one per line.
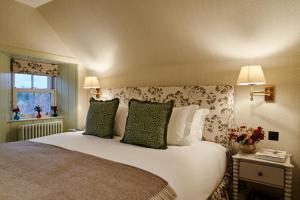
{"x":219,"y":99}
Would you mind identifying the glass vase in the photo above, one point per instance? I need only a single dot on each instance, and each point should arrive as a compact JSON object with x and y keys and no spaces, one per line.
{"x":38,"y":115}
{"x":17,"y":116}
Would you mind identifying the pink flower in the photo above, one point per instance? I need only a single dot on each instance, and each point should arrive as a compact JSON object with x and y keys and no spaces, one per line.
{"x":250,"y":141}
{"x":246,"y":135}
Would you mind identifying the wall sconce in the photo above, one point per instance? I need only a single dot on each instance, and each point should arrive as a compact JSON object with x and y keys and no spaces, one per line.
{"x":254,"y":75}
{"x":92,"y":83}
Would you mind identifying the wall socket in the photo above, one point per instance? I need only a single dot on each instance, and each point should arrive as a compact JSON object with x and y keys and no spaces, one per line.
{"x":273,"y":135}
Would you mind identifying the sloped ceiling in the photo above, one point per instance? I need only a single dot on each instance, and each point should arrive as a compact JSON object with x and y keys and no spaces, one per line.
{"x":24,"y":27}
{"x":116,"y":34}
{"x":34,"y":3}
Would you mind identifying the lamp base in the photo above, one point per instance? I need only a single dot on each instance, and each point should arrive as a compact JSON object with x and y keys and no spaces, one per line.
{"x":98,"y":93}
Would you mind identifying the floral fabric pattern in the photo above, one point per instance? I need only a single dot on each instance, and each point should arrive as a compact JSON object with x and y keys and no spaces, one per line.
{"x":32,"y":67}
{"x":224,"y":190}
{"x":219,"y":99}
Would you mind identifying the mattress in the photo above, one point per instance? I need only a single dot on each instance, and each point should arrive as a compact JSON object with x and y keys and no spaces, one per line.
{"x":194,"y":171}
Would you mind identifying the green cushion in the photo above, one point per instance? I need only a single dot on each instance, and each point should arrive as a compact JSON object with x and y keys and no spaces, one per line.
{"x":100,"y":118}
{"x":147,"y":124}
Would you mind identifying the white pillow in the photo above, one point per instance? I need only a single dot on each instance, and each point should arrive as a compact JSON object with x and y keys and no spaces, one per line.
{"x":120,"y":120}
{"x":177,"y":128}
{"x":196,"y":127}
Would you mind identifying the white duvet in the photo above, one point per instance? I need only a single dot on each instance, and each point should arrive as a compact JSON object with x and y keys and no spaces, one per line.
{"x":192,"y":171}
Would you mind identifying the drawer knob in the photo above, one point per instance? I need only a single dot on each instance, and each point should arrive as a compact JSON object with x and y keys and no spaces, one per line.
{"x":260,"y":173}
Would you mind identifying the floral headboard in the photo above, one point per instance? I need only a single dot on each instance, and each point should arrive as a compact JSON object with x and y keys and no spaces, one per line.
{"x":219,"y":99}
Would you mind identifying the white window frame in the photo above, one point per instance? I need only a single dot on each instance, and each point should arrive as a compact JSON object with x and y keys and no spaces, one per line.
{"x":51,"y":89}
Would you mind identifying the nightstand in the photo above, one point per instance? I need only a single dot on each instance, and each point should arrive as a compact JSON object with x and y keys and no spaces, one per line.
{"x":248,"y":168}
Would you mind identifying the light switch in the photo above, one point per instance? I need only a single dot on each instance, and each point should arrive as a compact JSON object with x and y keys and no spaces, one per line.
{"x":273,"y":135}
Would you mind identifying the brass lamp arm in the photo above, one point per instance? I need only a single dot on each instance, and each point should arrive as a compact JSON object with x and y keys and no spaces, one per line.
{"x":97,"y":93}
{"x":268,"y":93}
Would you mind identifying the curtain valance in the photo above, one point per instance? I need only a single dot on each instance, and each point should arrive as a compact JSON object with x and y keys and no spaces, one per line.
{"x":33,"y":67}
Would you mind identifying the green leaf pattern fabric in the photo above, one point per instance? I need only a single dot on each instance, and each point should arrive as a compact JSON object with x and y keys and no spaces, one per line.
{"x":100,"y":118}
{"x":147,"y":124}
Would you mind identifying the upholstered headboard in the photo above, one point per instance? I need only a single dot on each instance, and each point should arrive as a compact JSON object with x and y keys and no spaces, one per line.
{"x":219,"y":99}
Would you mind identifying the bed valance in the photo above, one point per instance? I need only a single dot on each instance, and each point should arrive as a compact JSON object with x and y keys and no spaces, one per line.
{"x":33,"y":67}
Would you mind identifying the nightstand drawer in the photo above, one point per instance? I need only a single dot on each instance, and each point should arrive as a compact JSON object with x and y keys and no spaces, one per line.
{"x":262,"y":173}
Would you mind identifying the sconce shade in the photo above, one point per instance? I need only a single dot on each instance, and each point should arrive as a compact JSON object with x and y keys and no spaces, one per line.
{"x":91,"y":82}
{"x":251,"y":75}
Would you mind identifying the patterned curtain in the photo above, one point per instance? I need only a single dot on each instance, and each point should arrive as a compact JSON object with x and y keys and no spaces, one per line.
{"x":32,"y":67}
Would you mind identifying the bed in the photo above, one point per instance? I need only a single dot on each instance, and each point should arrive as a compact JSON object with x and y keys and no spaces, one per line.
{"x":198,"y":171}
{"x":219,"y":99}
{"x":192,"y":171}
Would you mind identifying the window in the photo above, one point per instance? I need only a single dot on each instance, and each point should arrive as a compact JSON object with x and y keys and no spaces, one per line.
{"x":32,"y":90}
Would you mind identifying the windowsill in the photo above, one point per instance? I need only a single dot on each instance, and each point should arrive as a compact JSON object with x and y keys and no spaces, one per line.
{"x":34,"y":119}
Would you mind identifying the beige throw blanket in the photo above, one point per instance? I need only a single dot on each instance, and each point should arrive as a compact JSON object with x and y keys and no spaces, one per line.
{"x":35,"y":171}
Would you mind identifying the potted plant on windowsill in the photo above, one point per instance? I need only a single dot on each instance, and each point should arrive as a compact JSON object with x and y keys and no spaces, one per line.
{"x":54,"y":111}
{"x":16,"y":111}
{"x":247,"y":137}
{"x":38,"y":109}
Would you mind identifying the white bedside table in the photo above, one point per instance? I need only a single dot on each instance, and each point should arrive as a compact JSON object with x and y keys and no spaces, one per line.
{"x":248,"y":168}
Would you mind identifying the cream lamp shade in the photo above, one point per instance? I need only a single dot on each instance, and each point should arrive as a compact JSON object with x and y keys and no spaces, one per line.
{"x":251,"y":75}
{"x":91,"y":82}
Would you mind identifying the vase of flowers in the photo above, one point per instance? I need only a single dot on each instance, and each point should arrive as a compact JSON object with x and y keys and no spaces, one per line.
{"x":16,"y":112}
{"x":247,"y":137}
{"x":38,"y":109}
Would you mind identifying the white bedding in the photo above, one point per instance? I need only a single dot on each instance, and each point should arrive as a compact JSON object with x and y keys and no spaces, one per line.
{"x":192,"y":171}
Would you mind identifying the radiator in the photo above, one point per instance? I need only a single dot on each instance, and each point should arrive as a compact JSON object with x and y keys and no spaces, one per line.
{"x":30,"y":131}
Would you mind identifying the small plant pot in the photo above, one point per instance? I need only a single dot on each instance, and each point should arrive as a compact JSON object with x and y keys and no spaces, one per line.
{"x":38,"y":115}
{"x":17,"y":116}
{"x":247,"y":148}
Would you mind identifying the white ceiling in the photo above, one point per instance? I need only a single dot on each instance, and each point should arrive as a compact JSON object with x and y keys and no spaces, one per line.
{"x":34,"y":3}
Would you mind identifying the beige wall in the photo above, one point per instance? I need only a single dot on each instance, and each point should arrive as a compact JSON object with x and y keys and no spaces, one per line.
{"x":67,"y":94}
{"x":5,"y":100}
{"x":283,"y":115}
{"x":113,"y":35}
{"x":24,"y":27}
{"x":83,"y":102}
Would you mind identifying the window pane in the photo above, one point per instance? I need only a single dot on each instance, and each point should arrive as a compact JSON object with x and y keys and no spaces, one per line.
{"x":40,"y":82}
{"x":25,"y":101}
{"x":43,"y":100}
{"x":22,"y":80}
{"x":28,"y":100}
